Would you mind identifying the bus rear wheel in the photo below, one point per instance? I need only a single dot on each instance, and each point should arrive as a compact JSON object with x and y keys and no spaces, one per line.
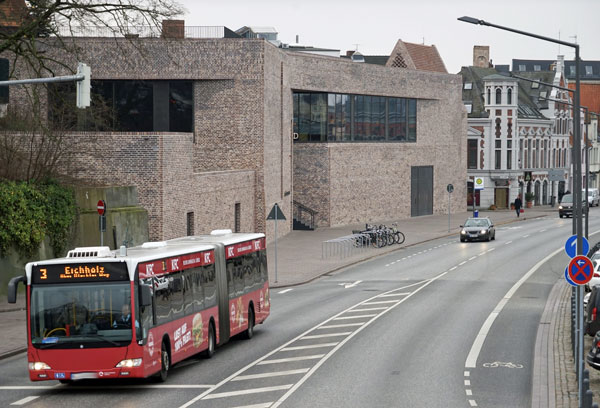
{"x":210,"y":350}
{"x":250,"y":331}
{"x":165,"y":363}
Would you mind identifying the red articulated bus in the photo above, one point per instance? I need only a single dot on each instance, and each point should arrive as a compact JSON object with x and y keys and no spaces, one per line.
{"x":137,"y":311}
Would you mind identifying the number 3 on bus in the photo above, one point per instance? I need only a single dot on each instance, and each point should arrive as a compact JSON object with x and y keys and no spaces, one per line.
{"x":135,"y":312}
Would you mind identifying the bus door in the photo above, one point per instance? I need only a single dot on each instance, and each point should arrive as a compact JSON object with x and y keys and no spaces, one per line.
{"x":222,"y":293}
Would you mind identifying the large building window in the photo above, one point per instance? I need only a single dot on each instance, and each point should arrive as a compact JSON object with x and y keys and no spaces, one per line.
{"x":322,"y":117}
{"x":125,"y":106}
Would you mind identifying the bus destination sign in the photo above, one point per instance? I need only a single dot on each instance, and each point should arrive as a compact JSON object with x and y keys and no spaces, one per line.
{"x":85,"y":272}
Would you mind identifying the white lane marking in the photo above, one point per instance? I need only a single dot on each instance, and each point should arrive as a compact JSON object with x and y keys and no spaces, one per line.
{"x":543,"y":230}
{"x":395,"y":294}
{"x":335,"y":326}
{"x":453,"y":268}
{"x":285,"y":291}
{"x":267,"y":375}
{"x":462,"y":263}
{"x":263,"y":405}
{"x":472,"y":403}
{"x":471,"y":258}
{"x":525,"y":236}
{"x":467,"y":382}
{"x":320,"y":336}
{"x":101,"y":387}
{"x":249,"y":391}
{"x":311,"y":346}
{"x":483,"y":332}
{"x":469,"y":392}
{"x":305,"y":335}
{"x":467,"y":373}
{"x":509,"y":242}
{"x":350,"y":285}
{"x":24,"y":400}
{"x":322,"y":361}
{"x":369,"y":309}
{"x":490,"y":250}
{"x":289,"y":360}
{"x":380,"y":302}
{"x":354,"y":317}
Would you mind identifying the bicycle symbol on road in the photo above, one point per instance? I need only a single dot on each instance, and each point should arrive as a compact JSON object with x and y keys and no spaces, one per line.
{"x":497,"y":364}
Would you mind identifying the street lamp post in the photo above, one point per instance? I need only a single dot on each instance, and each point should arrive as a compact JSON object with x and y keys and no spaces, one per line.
{"x":576,"y":154}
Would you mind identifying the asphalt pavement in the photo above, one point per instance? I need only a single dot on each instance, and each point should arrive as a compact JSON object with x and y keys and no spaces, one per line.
{"x":303,"y":256}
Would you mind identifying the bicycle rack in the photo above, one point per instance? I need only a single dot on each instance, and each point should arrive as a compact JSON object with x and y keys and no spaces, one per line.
{"x":345,"y":246}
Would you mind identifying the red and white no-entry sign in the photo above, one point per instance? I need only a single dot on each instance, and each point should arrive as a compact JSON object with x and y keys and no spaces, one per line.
{"x":101,"y":207}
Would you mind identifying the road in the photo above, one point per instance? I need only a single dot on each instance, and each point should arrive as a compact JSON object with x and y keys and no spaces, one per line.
{"x":425,"y":326}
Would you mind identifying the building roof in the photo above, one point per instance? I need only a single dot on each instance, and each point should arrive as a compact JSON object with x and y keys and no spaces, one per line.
{"x":372,"y":59}
{"x":588,"y":70}
{"x":426,"y":57}
{"x":416,"y":56}
{"x":526,"y":107}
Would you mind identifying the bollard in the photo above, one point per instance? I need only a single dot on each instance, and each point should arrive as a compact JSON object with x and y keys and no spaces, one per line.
{"x":587,"y":399}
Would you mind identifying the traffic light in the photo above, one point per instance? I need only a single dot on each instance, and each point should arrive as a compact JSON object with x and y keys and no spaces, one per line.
{"x":83,"y":86}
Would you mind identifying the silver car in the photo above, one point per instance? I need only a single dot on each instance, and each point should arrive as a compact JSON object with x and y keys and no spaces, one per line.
{"x":477,"y":229}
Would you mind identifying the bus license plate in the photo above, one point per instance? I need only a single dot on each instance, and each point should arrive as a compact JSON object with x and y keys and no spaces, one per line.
{"x":59,"y":376}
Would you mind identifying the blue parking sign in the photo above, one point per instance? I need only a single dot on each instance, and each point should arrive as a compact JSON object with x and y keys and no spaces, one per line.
{"x":571,"y":246}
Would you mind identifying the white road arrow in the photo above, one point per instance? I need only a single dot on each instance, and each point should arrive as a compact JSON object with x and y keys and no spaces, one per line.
{"x":350,"y":285}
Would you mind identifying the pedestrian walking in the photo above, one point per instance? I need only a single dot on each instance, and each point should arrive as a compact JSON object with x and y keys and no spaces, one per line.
{"x":518,"y":205}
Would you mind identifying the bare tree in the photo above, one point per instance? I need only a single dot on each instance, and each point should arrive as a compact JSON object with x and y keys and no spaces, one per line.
{"x":39,"y":25}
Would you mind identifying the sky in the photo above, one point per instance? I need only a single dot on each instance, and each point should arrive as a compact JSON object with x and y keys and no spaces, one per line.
{"x":374,"y":26}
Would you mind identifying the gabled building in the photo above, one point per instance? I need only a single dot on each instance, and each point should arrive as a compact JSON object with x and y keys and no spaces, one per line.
{"x":512,"y":139}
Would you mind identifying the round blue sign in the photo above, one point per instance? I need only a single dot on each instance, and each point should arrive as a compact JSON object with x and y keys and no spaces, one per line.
{"x":571,"y":246}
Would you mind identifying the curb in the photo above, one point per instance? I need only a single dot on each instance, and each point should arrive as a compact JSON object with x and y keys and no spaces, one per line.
{"x":13,"y":353}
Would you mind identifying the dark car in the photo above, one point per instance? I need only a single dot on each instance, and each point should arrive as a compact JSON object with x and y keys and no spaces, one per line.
{"x":592,"y":312}
{"x":565,"y":208}
{"x":593,"y":357}
{"x":477,"y":229}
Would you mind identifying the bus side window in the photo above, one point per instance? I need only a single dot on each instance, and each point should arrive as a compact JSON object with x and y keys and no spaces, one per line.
{"x":188,"y":290}
{"x":198,"y":289}
{"x":210,"y":288}
{"x":176,"y":286}
{"x":230,"y":284}
{"x":162,"y":299}
{"x":248,"y":278}
{"x":256,"y":270}
{"x":263,"y":266}
{"x":238,"y":276}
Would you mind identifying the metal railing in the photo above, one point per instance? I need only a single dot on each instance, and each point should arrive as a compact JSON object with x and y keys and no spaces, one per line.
{"x":346,"y":246}
{"x":300,"y":213}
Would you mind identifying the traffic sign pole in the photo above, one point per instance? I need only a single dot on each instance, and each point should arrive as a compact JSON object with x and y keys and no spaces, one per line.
{"x":101,"y":207}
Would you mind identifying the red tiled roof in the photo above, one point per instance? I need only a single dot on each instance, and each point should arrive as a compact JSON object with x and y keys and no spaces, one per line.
{"x":12,"y":13}
{"x":426,"y":57}
{"x":590,"y":95}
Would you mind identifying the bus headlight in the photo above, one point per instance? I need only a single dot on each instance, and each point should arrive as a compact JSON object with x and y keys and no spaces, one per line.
{"x":132,"y":362}
{"x":39,"y":365}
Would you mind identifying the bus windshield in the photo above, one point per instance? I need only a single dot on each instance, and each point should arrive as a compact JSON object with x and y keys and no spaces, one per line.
{"x":81,"y":315}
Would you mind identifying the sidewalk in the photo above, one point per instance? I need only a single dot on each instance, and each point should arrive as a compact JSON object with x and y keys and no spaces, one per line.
{"x":300,"y":260}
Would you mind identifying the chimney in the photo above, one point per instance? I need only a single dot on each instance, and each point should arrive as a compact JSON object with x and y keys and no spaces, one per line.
{"x":297,"y":39}
{"x":349,"y":53}
{"x":560,"y":64}
{"x":481,"y":56}
{"x":173,"y":29}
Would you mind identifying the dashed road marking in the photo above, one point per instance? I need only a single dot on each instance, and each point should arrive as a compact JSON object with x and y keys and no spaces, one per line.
{"x":471,"y":258}
{"x":285,"y":291}
{"x":24,"y":400}
{"x":462,"y":263}
{"x":509,"y":242}
{"x":453,"y":268}
{"x":472,"y":403}
{"x":469,"y":392}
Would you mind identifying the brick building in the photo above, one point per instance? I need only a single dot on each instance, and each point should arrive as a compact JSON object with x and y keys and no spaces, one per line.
{"x":214,"y":131}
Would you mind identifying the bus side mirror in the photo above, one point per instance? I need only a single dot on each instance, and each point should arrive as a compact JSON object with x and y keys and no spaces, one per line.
{"x":12,"y":288}
{"x":145,"y":295}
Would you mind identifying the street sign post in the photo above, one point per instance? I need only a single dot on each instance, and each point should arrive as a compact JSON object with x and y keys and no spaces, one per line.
{"x":450,"y":189}
{"x":101,"y":207}
{"x":276,"y":214}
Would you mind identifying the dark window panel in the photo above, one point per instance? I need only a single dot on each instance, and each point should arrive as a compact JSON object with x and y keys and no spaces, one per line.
{"x":181,"y":106}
